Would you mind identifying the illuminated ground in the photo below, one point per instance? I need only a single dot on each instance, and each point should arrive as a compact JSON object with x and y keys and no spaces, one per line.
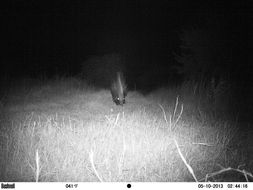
{"x":79,"y":134}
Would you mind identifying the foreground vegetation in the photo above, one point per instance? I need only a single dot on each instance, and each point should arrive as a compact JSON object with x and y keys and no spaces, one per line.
{"x":64,"y":130}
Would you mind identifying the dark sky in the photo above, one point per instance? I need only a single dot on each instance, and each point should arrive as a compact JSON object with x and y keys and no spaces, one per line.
{"x":56,"y":36}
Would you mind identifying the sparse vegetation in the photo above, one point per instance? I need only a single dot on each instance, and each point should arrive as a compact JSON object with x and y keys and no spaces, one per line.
{"x":65,"y":131}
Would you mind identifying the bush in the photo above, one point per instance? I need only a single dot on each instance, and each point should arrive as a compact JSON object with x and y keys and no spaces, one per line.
{"x":100,"y":70}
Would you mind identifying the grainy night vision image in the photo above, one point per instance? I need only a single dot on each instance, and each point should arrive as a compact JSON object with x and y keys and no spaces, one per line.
{"x":126,"y":91}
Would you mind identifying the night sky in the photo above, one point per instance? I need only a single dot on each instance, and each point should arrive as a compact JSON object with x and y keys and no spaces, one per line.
{"x":55,"y":37}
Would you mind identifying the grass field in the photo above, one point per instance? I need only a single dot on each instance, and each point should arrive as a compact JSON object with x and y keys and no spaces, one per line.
{"x":64,"y":130}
